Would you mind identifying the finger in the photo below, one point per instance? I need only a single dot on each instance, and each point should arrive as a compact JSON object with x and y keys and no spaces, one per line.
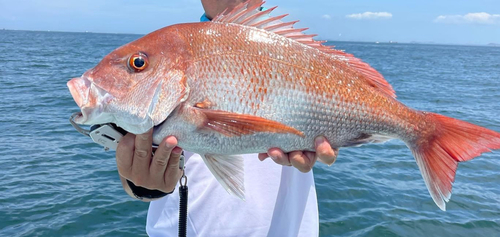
{"x":324,"y":151}
{"x":160,"y":159}
{"x":173,"y":173}
{"x":125,"y":154}
{"x":303,"y":161}
{"x":263,"y":156}
{"x":278,"y":156}
{"x":142,"y":158}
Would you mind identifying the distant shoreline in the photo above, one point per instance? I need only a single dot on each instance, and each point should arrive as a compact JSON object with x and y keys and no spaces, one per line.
{"x":347,"y":41}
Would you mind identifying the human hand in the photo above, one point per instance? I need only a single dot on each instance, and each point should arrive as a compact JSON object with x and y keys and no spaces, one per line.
{"x":135,"y":162}
{"x":304,"y":160}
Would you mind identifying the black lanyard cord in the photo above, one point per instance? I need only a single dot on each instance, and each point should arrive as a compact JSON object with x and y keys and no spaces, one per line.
{"x":183,"y":202}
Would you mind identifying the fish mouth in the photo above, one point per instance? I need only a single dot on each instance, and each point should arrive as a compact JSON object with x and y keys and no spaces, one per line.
{"x":97,"y":106}
{"x":79,"y":88}
{"x":75,"y":124}
{"x":80,"y":91}
{"x":80,"y":118}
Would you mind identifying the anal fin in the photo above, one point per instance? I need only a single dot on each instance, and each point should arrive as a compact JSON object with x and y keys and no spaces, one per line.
{"x":229,"y":171}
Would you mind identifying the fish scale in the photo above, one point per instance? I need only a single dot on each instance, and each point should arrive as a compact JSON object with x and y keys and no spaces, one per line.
{"x":247,"y":82}
{"x":296,"y":94}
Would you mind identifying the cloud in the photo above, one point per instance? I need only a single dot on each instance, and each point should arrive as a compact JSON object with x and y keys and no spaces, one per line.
{"x":475,"y":18}
{"x":370,"y":15}
{"x":326,"y":16}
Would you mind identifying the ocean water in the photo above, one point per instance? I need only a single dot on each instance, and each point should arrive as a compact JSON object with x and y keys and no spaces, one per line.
{"x":56,"y":182}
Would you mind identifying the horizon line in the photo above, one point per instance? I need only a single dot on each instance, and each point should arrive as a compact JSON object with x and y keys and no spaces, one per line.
{"x":492,"y":44}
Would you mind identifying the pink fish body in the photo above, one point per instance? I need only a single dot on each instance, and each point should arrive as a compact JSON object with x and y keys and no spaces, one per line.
{"x":246,"y":82}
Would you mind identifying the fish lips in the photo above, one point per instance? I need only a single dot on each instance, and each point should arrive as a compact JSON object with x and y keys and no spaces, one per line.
{"x":81,"y":91}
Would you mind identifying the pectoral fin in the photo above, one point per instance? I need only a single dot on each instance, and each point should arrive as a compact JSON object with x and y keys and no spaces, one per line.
{"x":233,"y":124}
{"x":229,"y":171}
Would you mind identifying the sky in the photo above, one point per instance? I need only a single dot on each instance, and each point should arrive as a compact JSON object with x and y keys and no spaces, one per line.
{"x":425,"y":21}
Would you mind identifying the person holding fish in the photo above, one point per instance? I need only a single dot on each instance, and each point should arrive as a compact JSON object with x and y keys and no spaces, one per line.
{"x":279,"y":200}
{"x":244,"y":83}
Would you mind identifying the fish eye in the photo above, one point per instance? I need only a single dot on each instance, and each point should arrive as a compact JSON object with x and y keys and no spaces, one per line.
{"x":138,"y":62}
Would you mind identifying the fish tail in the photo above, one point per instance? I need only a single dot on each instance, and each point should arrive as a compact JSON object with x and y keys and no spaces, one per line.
{"x":439,"y":151}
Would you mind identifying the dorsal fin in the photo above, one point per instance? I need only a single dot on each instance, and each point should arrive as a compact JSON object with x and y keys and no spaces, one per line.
{"x":244,"y":14}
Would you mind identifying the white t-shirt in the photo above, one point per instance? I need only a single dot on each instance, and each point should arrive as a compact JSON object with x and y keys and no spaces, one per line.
{"x":279,"y":201}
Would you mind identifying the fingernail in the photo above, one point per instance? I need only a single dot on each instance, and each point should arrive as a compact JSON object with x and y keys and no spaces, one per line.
{"x":273,"y":158}
{"x":169,"y":145}
{"x":177,"y":150}
{"x":319,"y":140}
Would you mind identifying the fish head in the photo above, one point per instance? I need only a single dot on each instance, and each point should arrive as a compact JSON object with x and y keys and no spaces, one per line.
{"x":136,"y":86}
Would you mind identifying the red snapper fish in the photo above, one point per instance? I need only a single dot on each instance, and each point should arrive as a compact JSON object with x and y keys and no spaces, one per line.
{"x":246,"y":82}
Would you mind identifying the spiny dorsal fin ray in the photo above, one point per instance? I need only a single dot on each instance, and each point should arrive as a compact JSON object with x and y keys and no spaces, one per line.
{"x":245,"y":14}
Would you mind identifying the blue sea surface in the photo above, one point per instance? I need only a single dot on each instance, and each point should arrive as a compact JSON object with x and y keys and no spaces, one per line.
{"x":56,"y":182}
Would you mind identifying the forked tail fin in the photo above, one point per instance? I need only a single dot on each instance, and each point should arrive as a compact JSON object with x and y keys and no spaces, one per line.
{"x":438,"y":153}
